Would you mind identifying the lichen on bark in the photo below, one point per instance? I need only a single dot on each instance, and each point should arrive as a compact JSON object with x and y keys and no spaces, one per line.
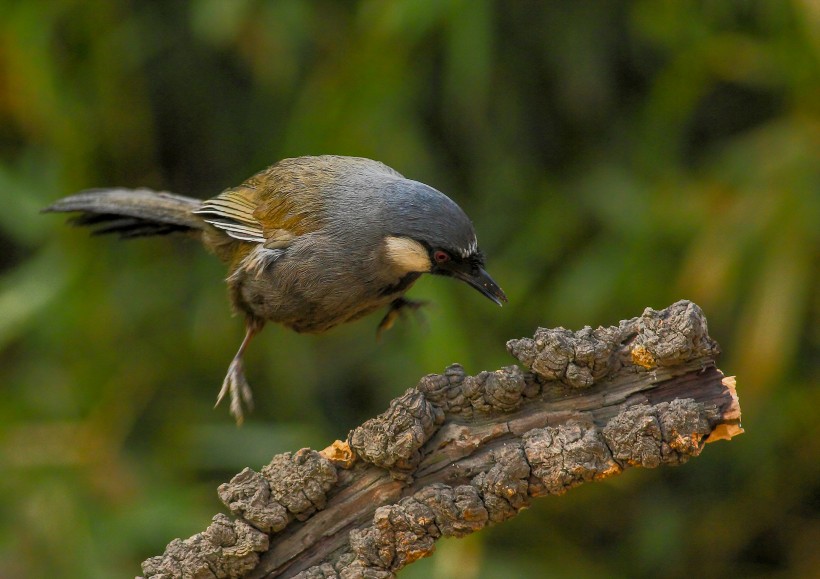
{"x":457,"y":452}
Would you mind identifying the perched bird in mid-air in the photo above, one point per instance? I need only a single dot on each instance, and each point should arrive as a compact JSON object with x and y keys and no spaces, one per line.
{"x":310,"y":243}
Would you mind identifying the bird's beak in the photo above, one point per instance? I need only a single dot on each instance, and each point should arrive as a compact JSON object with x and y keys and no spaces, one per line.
{"x":482,"y":281}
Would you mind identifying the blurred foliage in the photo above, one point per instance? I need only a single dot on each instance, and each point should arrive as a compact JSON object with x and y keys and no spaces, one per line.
{"x":613,"y":155}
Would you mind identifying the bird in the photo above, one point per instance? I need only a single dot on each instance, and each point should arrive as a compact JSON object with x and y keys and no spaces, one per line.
{"x":310,"y":243}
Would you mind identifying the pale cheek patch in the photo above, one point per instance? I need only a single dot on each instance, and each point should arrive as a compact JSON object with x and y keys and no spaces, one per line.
{"x":407,"y":254}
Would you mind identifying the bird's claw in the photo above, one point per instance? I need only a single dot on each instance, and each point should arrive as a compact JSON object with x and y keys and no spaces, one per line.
{"x":237,"y":386}
{"x":398,"y":308}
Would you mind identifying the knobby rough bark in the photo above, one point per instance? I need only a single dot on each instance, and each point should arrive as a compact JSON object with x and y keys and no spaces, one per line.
{"x":457,"y":453}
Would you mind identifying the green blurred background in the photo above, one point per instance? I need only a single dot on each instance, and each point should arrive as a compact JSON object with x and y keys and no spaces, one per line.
{"x":613,"y":156}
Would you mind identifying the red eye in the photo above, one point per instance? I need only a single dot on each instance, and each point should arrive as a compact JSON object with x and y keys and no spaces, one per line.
{"x":441,"y":256}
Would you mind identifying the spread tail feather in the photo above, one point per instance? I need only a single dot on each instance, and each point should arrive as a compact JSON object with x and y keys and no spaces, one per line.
{"x":131,"y":212}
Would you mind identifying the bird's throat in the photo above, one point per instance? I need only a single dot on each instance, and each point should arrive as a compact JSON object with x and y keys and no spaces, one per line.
{"x":400,"y":286}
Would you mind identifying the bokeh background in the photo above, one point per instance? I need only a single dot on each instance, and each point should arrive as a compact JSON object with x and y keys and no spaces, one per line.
{"x":613,"y":155}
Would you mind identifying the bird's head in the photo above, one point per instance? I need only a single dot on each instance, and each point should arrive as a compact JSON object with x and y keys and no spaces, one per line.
{"x":426,"y":232}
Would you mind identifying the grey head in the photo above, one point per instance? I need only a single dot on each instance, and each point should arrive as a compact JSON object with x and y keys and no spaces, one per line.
{"x":415,"y":211}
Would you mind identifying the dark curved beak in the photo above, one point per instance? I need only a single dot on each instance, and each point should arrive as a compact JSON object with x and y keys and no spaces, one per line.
{"x":482,"y":281}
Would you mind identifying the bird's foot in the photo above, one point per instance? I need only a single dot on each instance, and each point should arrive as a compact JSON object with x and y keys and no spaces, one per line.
{"x":237,"y":386}
{"x":398,"y":308}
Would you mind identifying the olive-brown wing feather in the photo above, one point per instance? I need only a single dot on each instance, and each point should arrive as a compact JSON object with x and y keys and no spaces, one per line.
{"x":232,"y":211}
{"x":272,"y":207}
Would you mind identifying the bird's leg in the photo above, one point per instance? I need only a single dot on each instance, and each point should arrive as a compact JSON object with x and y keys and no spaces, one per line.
{"x":398,"y":307}
{"x":235,"y":381}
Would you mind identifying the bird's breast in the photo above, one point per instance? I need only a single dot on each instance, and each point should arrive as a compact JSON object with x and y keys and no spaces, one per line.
{"x":314,"y":294}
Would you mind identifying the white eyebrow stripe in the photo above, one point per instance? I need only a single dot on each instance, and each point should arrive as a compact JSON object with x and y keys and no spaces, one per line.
{"x":471,"y":249}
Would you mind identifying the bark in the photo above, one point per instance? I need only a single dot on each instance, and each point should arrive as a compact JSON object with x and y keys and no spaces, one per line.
{"x":457,"y":453}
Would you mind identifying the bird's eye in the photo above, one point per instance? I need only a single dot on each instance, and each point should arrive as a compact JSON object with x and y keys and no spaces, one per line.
{"x":441,"y":256}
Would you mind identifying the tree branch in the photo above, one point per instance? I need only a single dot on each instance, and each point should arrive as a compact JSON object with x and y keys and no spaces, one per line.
{"x":457,"y":453}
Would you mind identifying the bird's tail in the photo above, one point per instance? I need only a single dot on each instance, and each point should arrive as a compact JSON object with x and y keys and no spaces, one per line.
{"x":131,"y":212}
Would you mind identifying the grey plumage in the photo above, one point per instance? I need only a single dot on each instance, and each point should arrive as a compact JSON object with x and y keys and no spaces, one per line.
{"x":419,"y":211}
{"x":310,"y":243}
{"x":131,"y":212}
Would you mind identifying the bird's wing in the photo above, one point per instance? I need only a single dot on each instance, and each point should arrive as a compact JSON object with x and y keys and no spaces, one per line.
{"x":272,"y":207}
{"x":233,"y":212}
{"x":290,"y":196}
